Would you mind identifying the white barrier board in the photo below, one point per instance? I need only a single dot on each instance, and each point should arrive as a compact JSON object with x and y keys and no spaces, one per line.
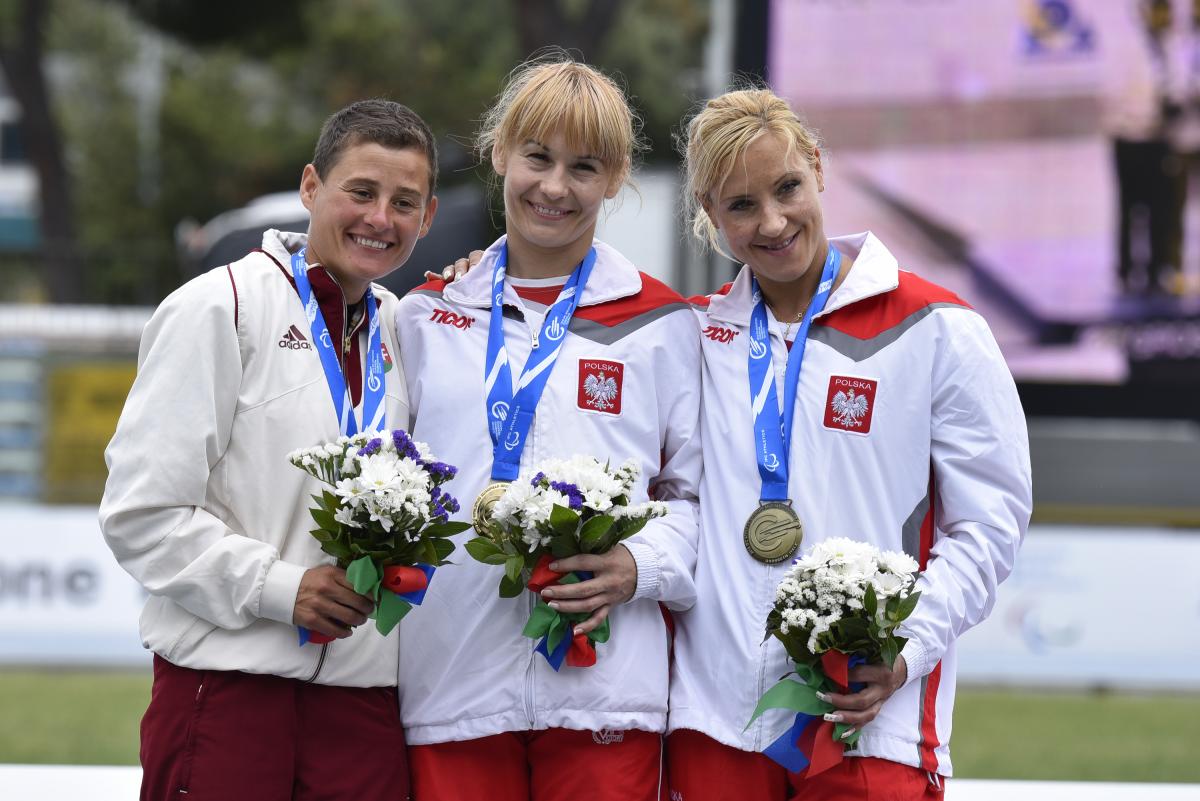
{"x":1067,"y":616}
{"x":63,"y":598}
{"x":1089,"y":606}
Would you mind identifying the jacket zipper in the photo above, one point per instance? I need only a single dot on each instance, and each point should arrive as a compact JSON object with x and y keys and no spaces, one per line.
{"x":762,"y":676}
{"x":530,"y":716}
{"x":341,"y":350}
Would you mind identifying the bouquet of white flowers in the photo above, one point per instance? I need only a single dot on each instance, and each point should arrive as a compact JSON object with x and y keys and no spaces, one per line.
{"x":838,"y":606}
{"x":569,"y":507}
{"x":386,"y":520}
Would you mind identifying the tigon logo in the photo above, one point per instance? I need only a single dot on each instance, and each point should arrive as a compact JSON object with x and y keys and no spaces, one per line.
{"x":608,"y":736}
{"x":718,"y":334}
{"x":294,"y":339}
{"x":447,"y":317}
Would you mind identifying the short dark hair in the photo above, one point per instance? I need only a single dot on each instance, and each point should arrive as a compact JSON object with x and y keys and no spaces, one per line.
{"x":383,"y":122}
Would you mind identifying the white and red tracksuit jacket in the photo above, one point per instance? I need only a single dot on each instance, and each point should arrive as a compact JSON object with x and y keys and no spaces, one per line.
{"x":466,"y":671}
{"x":938,"y":466}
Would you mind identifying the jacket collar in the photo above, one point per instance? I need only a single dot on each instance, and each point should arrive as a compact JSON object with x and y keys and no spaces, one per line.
{"x":613,"y":277}
{"x":874,"y":272}
{"x":280,"y":245}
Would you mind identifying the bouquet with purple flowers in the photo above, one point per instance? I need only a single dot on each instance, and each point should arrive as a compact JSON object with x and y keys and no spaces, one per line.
{"x":386,"y":519}
{"x":569,"y":507}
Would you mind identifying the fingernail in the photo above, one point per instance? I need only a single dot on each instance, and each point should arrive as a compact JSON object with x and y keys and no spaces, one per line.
{"x":823,"y":697}
{"x":554,"y":567}
{"x":446,"y":273}
{"x":848,"y":733}
{"x":833,"y":717}
{"x":553,"y":606}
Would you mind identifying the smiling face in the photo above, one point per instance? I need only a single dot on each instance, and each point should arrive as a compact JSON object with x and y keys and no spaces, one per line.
{"x":769,"y":211}
{"x":553,"y":193}
{"x":367,"y":213}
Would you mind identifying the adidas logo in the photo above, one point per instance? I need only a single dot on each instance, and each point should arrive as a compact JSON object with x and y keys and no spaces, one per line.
{"x":294,"y":339}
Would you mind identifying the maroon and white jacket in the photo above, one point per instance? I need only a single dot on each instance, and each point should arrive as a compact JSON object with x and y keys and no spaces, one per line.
{"x":936,"y":465}
{"x":465,"y":669}
{"x":202,"y":506}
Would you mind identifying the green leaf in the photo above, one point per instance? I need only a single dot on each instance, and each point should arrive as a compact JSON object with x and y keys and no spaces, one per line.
{"x":322,"y":535}
{"x":392,"y":608}
{"x":325,"y":520}
{"x":907,"y":606}
{"x":328,"y":501}
{"x":840,"y":729}
{"x":486,"y":551}
{"x":445,"y":529}
{"x":870,"y":601}
{"x":337,"y":548}
{"x":558,"y":629}
{"x":793,"y":695}
{"x":428,"y":553}
{"x":540,"y":620}
{"x":510,"y":588}
{"x":888,"y":652}
{"x":512,"y":568}
{"x":563,"y":520}
{"x":593,"y":532}
{"x":443,"y":548}
{"x":563,"y":546}
{"x":601,"y":633}
{"x":364,"y":576}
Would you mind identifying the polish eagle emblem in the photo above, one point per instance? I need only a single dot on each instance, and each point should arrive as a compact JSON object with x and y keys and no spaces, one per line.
{"x":601,"y":390}
{"x":849,"y":408}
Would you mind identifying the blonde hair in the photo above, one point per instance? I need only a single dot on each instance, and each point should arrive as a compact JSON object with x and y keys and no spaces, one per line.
{"x":719,"y":134}
{"x":554,"y":92}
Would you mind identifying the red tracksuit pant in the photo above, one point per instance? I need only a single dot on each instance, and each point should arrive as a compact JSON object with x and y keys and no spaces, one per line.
{"x":550,"y":765}
{"x":701,"y":769}
{"x":212,"y":735}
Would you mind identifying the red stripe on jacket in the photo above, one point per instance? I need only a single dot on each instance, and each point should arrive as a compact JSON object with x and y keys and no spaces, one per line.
{"x":704,"y":300}
{"x":871,"y":316}
{"x":929,"y":739}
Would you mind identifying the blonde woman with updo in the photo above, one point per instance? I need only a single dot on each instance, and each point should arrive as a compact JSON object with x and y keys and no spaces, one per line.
{"x":486,"y":716}
{"x":903,"y":429}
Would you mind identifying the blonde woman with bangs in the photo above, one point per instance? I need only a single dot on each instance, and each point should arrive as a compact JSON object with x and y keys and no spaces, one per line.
{"x":905,"y":431}
{"x":485,"y":716}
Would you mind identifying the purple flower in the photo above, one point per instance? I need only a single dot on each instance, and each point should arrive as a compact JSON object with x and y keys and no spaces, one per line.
{"x":440,"y":471}
{"x":450,"y":503}
{"x":404,"y":445}
{"x":574,"y":496}
{"x":533,"y":482}
{"x":371,"y":448}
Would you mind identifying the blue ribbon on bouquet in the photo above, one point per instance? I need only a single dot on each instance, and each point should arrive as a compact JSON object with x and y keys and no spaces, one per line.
{"x":794,"y":749}
{"x":556,"y":657}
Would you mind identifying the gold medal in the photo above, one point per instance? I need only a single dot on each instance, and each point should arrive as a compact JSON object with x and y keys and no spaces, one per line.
{"x":481,"y":512}
{"x":773,"y":532}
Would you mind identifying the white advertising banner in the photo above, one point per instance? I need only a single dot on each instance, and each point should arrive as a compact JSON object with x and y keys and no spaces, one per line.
{"x":63,"y":598}
{"x":1091,"y":606}
{"x":1085,"y":606}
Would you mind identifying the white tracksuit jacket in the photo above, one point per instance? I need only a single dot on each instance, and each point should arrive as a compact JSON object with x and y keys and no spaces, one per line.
{"x":938,"y":467}
{"x":202,"y":506}
{"x":465,"y":669}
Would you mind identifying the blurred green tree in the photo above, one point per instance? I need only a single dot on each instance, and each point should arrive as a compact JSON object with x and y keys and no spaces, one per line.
{"x":174,"y":109}
{"x":22,"y":52}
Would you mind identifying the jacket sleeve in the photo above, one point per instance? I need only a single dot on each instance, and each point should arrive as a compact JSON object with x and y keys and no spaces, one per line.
{"x":174,"y":429}
{"x":665,"y":550}
{"x":982,"y":489}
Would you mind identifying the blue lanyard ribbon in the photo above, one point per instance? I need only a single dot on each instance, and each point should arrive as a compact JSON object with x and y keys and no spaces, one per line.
{"x":772,"y":438}
{"x":510,"y":410}
{"x":374,"y":408}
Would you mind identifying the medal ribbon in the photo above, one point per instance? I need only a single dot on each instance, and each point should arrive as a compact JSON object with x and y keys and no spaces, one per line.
{"x":510,"y":412}
{"x":772,"y":437}
{"x":374,"y":408}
